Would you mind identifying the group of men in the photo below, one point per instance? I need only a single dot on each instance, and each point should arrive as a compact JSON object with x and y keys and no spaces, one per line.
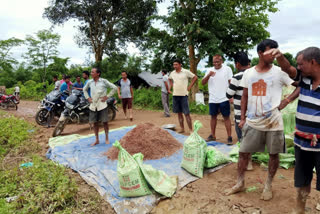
{"x":256,"y":93}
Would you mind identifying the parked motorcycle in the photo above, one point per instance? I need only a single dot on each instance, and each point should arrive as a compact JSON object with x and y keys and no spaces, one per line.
{"x":77,"y":111}
{"x":52,"y":105}
{"x":8,"y":101}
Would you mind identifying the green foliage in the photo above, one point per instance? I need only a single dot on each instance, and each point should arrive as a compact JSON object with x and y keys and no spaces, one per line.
{"x":41,"y":50}
{"x":6,"y":59}
{"x":287,"y":55}
{"x":198,"y":109}
{"x":43,"y":188}
{"x":14,"y":133}
{"x":104,"y":26}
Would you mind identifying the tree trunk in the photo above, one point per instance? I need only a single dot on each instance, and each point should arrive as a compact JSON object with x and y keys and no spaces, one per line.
{"x":193,"y":68}
{"x":98,"y":55}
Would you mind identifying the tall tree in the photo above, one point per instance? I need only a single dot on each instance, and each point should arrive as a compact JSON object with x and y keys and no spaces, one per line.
{"x":198,"y":28}
{"x":6,"y":59}
{"x":105,"y":25}
{"x":41,"y":50}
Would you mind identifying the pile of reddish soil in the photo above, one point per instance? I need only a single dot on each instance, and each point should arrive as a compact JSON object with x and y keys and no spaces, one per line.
{"x":152,"y":141}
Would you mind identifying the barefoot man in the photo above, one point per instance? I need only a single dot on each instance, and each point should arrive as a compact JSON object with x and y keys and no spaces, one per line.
{"x":179,"y":79}
{"x":261,"y":119}
{"x":98,"y":105}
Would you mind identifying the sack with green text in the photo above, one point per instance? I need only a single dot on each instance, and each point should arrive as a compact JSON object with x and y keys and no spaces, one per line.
{"x":131,"y":180}
{"x":214,"y":158}
{"x":194,"y":152}
{"x":158,"y":179}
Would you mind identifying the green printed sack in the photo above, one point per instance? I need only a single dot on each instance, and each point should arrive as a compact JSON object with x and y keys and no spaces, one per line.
{"x":214,"y":158}
{"x":131,"y":181}
{"x":158,"y":179}
{"x":194,"y":152}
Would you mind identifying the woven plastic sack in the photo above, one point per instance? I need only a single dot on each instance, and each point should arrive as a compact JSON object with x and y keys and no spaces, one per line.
{"x":214,"y":158}
{"x":131,"y":180}
{"x":158,"y":179}
{"x":194,"y":152}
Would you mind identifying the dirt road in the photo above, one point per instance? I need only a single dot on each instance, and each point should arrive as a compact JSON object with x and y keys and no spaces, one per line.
{"x":204,"y":195}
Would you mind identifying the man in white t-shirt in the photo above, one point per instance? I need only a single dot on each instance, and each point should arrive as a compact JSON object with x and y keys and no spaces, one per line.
{"x":179,"y":80}
{"x":218,"y":78}
{"x":261,"y":120}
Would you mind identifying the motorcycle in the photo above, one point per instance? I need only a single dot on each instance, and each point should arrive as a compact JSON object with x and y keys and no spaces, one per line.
{"x":8,"y":101}
{"x":77,"y":111}
{"x":52,"y":105}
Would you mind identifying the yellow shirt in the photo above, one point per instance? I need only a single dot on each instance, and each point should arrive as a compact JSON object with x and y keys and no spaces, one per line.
{"x":180,"y":81}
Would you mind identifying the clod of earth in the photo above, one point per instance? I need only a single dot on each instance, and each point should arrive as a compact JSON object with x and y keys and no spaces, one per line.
{"x":152,"y":141}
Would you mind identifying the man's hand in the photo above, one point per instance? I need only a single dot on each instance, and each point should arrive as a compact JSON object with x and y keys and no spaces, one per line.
{"x":189,"y":88}
{"x":275,"y":52}
{"x":283,"y":104}
{"x":169,"y":92}
{"x":241,"y":124}
{"x":103,"y":99}
{"x":120,"y":97}
{"x":90,"y":100}
{"x":212,"y":73}
{"x":231,"y":100}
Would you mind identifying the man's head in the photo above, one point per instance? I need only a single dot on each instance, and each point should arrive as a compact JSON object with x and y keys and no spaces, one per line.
{"x":241,"y":60}
{"x":78,"y":78}
{"x":266,"y":45}
{"x":177,"y":64}
{"x":64,"y":76}
{"x":67,"y":79}
{"x":164,"y":72}
{"x":308,"y":61}
{"x":95,"y":72}
{"x":124,"y":75}
{"x":217,"y":61}
{"x":55,"y":78}
{"x":85,"y":75}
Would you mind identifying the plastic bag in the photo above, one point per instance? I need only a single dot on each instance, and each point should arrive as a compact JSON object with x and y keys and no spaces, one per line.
{"x":131,"y":180}
{"x":158,"y":179}
{"x":194,"y":152}
{"x":214,"y":158}
{"x":289,"y":112}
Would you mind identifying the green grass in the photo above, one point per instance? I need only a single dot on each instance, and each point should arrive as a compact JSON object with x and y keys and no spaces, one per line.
{"x":45,"y":187}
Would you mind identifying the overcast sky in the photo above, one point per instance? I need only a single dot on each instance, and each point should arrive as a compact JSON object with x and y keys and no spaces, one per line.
{"x":295,"y":26}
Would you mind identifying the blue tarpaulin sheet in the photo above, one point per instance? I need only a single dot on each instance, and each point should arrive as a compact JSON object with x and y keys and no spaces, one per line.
{"x":97,"y":170}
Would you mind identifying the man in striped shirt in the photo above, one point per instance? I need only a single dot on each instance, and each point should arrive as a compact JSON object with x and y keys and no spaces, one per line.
{"x":235,"y":90}
{"x":307,"y":135}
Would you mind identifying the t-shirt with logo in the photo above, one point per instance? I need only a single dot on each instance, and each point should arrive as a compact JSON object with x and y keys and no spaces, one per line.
{"x":218,"y":84}
{"x":264,"y":97}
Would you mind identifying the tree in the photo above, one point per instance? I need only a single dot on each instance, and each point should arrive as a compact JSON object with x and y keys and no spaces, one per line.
{"x":6,"y":46}
{"x":198,"y":28}
{"x":105,"y":25}
{"x":41,"y":50}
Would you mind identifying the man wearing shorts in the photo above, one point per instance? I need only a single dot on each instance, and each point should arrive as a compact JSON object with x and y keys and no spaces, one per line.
{"x":179,"y":79}
{"x":307,"y":135}
{"x":261,"y":119}
{"x":125,"y":93}
{"x":98,"y":106}
{"x":218,"y":78}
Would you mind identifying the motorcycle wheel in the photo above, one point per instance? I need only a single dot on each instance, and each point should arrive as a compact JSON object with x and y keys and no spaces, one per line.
{"x":59,"y":128}
{"x":41,"y":118}
{"x":111,"y":114}
{"x":13,"y":105}
{"x":4,"y":106}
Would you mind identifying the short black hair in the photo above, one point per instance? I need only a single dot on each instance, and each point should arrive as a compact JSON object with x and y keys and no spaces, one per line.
{"x":267,"y":43}
{"x":86,"y":72}
{"x":164,"y":71}
{"x":67,"y":77}
{"x":124,"y":72}
{"x":242,"y":58}
{"x":178,"y":61}
{"x":78,"y":76}
{"x":311,"y":53}
{"x":98,"y":70}
{"x":55,"y":76}
{"x":64,"y":76}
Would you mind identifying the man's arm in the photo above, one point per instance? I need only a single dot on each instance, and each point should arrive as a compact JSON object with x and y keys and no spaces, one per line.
{"x":283,"y":62}
{"x":244,"y":103}
{"x":113,"y":87}
{"x":171,"y":84}
{"x":207,"y":77}
{"x":167,"y":87}
{"x":194,"y":79}
{"x":119,"y":93}
{"x":289,"y":99}
{"x":232,"y":89}
{"x":85,"y":91}
{"x":131,"y":90}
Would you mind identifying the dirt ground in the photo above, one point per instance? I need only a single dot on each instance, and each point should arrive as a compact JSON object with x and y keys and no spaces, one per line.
{"x":205,"y":195}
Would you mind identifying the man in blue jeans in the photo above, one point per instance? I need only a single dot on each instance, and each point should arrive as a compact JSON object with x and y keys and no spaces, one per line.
{"x":218,"y":78}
